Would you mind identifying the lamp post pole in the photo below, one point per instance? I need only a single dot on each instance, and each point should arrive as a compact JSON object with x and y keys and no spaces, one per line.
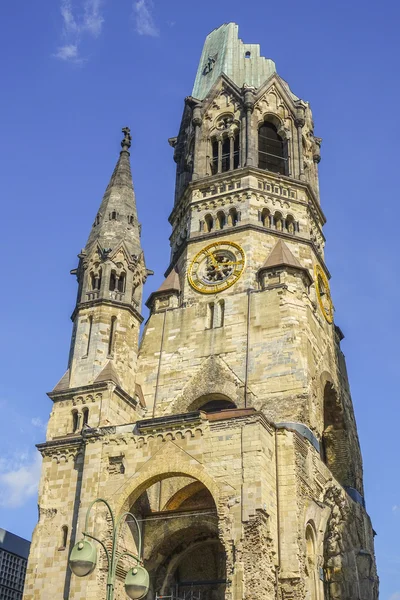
{"x":83,"y":557}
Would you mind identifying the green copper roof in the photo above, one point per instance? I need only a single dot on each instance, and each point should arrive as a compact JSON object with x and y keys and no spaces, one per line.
{"x":224,"y":52}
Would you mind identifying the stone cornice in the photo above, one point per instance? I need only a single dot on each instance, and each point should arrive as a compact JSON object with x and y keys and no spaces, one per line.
{"x":98,"y":301}
{"x":243,"y":172}
{"x":58,"y":396}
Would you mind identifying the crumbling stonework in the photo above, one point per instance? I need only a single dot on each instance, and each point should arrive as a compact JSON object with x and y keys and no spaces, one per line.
{"x":229,"y":430}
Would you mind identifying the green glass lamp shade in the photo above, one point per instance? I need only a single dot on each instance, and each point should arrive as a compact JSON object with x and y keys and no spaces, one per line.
{"x":137,"y":582}
{"x":83,"y":558}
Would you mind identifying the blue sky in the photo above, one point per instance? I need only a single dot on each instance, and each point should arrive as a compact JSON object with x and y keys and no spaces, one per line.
{"x":74,"y":73}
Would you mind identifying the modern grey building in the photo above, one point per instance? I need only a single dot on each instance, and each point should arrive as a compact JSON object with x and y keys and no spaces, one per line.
{"x":14,"y":552}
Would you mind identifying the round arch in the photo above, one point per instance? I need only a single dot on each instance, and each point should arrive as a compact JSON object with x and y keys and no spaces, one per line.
{"x":157,"y":471}
{"x":206,"y":399}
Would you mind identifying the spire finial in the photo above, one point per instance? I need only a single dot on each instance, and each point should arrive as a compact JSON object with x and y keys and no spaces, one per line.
{"x":126,"y":142}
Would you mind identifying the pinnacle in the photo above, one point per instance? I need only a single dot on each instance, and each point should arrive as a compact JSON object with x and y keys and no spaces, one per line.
{"x":116,"y":220}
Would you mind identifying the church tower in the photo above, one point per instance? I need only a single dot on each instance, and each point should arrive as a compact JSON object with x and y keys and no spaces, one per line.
{"x":230,"y":433}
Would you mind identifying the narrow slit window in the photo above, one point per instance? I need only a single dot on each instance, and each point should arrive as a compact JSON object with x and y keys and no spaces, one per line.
{"x":210,"y":315}
{"x":219,"y":314}
{"x":112,"y":336}
{"x":89,"y":334}
{"x":64,"y":537}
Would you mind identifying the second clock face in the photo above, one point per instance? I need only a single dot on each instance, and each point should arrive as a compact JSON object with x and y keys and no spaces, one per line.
{"x":216,"y":267}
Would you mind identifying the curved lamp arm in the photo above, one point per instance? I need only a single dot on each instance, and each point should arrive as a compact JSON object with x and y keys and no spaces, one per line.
{"x":119,"y":521}
{"x":86,"y":534}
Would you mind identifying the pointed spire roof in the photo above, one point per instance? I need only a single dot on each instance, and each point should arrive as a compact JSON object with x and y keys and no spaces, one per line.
{"x":170,"y":284}
{"x":108,"y":374}
{"x":63,"y":384}
{"x":281,"y":256}
{"x":117,"y":220}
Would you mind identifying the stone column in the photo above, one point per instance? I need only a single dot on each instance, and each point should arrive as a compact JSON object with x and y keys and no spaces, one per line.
{"x":231,"y":150}
{"x":249,"y":106}
{"x":300,"y":120}
{"x":219,"y":154}
{"x":196,"y":120}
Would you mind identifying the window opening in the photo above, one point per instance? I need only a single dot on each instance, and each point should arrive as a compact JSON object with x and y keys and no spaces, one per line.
{"x":265,"y":217}
{"x":89,"y":334}
{"x":214,"y":162}
{"x":121,"y":283}
{"x":210,"y":315}
{"x":113,"y":281}
{"x":221,"y":220}
{"x":226,"y":154}
{"x":113,"y":215}
{"x":112,"y":335}
{"x":64,"y":537}
{"x":271,"y":149}
{"x":85,"y":413}
{"x":209,"y":222}
{"x":75,"y":421}
{"x":219,"y":314}
{"x":236,"y":155}
{"x":248,"y":54}
{"x":233,"y":217}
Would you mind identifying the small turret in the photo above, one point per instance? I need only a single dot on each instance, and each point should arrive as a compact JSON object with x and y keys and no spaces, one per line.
{"x":111,"y":274}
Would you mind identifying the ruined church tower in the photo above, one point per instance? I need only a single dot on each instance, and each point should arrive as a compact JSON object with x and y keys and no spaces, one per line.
{"x":229,"y":430}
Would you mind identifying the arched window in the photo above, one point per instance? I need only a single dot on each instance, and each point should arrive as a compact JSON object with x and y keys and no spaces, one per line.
{"x":225,"y":153}
{"x":216,"y":405}
{"x":233,"y":217}
{"x":113,"y":281}
{"x":248,"y":54}
{"x":121,"y":283}
{"x":75,"y":421}
{"x":278,"y":221}
{"x":209,"y":222}
{"x":219,"y":314}
{"x":85,"y":414}
{"x":311,"y":565}
{"x":64,"y":537}
{"x":95,"y":280}
{"x":266,"y":217}
{"x":271,"y":149}
{"x":113,"y":215}
{"x":290,"y":225}
{"x":221,"y":220}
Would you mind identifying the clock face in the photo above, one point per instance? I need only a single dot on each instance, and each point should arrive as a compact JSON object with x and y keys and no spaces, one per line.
{"x":216,"y":267}
{"x":323,"y":294}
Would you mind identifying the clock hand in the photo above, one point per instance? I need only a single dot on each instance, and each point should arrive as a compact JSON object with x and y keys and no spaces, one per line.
{"x":214,"y":262}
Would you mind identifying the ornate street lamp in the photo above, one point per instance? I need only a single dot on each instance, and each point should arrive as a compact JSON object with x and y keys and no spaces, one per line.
{"x":83,"y":558}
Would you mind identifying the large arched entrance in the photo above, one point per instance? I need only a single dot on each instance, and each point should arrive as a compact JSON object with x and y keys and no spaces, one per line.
{"x":181,"y":548}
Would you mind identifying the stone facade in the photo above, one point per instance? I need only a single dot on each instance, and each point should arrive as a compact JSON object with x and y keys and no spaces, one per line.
{"x":228,"y":431}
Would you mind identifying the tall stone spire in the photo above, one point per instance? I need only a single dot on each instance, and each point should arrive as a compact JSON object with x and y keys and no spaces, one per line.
{"x":116,"y":220}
